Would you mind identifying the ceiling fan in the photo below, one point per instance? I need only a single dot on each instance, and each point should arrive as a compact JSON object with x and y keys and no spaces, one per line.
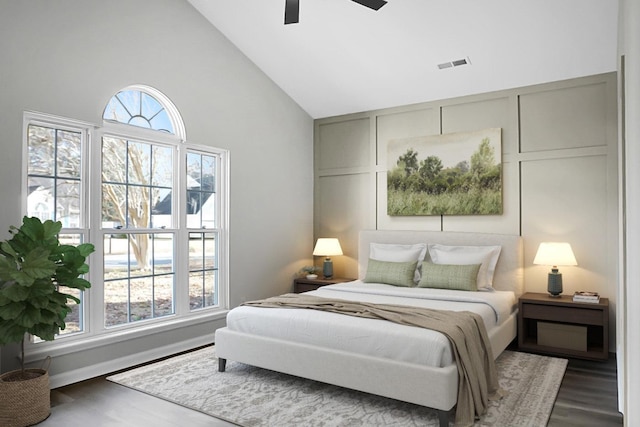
{"x":292,"y":8}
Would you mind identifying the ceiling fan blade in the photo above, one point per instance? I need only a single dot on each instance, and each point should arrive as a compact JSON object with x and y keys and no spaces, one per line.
{"x":371,"y":4}
{"x":292,"y":8}
{"x":291,"y":12}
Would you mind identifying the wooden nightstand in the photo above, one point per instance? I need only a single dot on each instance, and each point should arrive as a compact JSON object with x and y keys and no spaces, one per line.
{"x":303,"y":284}
{"x":561,"y":327}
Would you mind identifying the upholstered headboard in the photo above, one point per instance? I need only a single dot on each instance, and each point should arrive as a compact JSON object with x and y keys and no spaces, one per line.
{"x":508,"y":276}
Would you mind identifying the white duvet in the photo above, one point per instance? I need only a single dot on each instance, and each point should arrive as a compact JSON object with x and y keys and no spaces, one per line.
{"x":370,"y":336}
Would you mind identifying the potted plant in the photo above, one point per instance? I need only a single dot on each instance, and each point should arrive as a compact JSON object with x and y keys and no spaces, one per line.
{"x":310,"y":271}
{"x":35,"y":269}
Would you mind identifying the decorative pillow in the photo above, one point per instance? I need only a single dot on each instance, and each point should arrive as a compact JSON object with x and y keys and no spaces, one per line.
{"x":447,"y":276}
{"x":391,"y":273}
{"x":487,"y":256}
{"x":399,"y":253}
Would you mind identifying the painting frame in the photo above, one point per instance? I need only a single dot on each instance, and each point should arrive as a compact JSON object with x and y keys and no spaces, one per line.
{"x":446,"y":174}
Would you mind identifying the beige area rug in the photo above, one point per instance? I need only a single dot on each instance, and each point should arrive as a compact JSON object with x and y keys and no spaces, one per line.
{"x":251,"y":396}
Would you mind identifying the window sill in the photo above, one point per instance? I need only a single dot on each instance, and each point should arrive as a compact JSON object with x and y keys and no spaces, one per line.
{"x":53,"y":349}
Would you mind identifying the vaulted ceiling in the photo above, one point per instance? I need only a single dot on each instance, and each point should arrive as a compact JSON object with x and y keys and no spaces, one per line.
{"x":343,"y":57}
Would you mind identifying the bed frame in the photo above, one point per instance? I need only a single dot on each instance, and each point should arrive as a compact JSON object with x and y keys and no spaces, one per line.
{"x":436,"y":388}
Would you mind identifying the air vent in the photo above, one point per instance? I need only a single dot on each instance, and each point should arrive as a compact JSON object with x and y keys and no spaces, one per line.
{"x":455,"y":63}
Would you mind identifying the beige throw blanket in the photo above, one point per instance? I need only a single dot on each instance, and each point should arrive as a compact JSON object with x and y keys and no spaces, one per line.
{"x":477,"y":376}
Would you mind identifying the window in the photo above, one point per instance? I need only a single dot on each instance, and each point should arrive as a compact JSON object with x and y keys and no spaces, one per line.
{"x":155,"y":202}
{"x":55,"y":190}
{"x":139,"y":271}
{"x":54,"y":173}
{"x":201,"y":214}
{"x":139,"y":108}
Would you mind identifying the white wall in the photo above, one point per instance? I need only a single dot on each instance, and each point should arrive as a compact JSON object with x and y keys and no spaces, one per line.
{"x":629,"y":291}
{"x":68,"y":57}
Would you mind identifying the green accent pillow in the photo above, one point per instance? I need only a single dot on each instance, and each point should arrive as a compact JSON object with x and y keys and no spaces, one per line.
{"x":391,"y":273}
{"x":447,"y":276}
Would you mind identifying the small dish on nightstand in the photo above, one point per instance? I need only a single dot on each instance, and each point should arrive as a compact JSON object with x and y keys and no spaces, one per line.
{"x":312,"y":276}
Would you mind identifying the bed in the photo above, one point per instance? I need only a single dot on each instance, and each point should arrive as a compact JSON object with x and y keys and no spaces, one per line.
{"x":396,"y":361}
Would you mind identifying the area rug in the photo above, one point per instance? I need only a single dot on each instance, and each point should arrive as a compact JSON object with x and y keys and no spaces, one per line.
{"x":250,"y":396}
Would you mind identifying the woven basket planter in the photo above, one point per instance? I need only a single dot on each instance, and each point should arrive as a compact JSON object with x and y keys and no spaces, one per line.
{"x":24,"y":402}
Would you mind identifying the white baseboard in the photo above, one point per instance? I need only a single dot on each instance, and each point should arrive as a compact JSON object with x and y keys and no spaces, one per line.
{"x":87,"y":372}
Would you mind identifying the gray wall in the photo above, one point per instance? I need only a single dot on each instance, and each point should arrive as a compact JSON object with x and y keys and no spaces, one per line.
{"x":559,"y":154}
{"x":68,"y":57}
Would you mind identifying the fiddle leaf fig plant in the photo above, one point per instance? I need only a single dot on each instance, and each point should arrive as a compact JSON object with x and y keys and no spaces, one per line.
{"x":34,"y":270}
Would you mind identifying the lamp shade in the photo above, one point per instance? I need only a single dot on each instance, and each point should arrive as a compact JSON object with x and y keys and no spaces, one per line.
{"x":327,"y":247}
{"x":555,"y":253}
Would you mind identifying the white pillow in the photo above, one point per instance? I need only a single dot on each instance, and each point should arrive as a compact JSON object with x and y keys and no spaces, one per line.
{"x":399,"y":253}
{"x":487,"y":256}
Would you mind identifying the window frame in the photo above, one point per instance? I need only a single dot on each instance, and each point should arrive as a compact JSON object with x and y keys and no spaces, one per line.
{"x":95,"y":334}
{"x":60,"y":123}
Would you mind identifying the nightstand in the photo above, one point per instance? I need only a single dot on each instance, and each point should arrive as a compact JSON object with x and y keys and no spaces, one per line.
{"x":562,"y":327}
{"x":303,"y":284}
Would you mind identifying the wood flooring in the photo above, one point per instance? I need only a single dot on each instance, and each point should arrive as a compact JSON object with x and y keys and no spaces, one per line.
{"x":587,"y":397}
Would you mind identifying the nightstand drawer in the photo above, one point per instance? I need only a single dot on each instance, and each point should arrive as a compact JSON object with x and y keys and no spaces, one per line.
{"x":584,"y":316}
{"x":305,"y":287}
{"x":562,"y":327}
{"x":302,"y":284}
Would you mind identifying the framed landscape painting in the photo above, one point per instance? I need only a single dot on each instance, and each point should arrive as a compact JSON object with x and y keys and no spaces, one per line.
{"x":452,"y":174}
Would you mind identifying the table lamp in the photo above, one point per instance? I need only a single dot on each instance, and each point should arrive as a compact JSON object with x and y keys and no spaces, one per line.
{"x":327,"y":247}
{"x":555,"y":254}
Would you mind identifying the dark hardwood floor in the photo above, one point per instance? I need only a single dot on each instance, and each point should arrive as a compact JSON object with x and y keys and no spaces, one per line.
{"x":588,"y":395}
{"x":587,"y":398}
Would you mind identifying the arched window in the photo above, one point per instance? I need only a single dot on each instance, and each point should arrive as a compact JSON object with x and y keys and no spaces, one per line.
{"x":156,"y":204}
{"x":143,"y":205}
{"x":145,"y":107}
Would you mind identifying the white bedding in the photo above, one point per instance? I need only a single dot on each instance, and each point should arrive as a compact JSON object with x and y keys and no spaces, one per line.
{"x":374,"y":337}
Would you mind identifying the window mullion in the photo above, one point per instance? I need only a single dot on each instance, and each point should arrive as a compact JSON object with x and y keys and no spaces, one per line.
{"x":182,"y":234}
{"x":222,"y":221}
{"x":95,"y":306}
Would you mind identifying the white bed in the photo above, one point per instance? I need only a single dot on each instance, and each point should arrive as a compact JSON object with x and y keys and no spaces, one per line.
{"x":401,"y":362}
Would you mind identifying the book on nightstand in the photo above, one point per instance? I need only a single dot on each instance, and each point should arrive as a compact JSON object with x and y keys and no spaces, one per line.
{"x":584,"y":296}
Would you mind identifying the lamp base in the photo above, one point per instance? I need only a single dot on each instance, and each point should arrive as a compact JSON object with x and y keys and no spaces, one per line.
{"x":554,"y":284}
{"x":327,"y":268}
